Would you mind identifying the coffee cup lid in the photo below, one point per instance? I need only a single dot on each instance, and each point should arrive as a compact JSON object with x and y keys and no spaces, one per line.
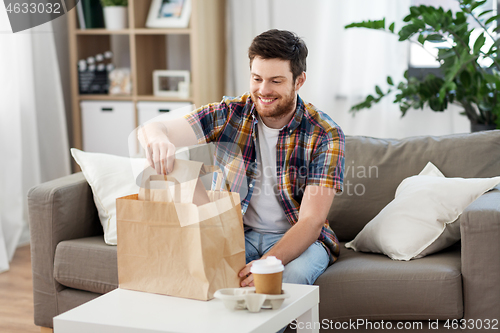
{"x":267,"y":266}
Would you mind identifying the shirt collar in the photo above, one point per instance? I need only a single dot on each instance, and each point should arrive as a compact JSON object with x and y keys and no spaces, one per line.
{"x":299,"y":113}
{"x":294,"y":122}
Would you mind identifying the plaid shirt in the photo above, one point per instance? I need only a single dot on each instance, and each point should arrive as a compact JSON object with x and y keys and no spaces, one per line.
{"x":310,"y":151}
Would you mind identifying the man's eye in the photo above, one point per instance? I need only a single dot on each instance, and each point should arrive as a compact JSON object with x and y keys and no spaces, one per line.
{"x":277,"y":82}
{"x":256,"y":79}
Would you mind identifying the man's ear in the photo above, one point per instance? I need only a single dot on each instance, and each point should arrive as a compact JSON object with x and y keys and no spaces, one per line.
{"x":300,"y":80}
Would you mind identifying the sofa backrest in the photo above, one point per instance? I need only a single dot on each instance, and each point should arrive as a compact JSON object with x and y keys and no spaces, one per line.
{"x":375,"y":167}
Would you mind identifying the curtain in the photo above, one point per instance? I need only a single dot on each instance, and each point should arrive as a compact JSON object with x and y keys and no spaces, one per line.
{"x":33,"y":132}
{"x":343,"y":66}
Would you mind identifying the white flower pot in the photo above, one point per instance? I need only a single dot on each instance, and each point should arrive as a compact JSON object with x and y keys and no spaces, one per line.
{"x":116,"y":17}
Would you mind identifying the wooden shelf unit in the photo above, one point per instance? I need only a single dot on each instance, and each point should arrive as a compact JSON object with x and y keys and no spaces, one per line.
{"x":147,"y":49}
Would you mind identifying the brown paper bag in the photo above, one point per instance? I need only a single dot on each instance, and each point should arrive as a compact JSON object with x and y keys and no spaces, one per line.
{"x":178,"y":248}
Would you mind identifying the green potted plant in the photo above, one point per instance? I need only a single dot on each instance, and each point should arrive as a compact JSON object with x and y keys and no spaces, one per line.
{"x":463,"y":81}
{"x":115,"y":14}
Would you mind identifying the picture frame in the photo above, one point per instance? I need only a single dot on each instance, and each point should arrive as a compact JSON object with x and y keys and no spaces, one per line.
{"x":171,"y":83}
{"x":169,"y":14}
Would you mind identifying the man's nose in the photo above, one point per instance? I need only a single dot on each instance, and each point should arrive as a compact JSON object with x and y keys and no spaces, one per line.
{"x":265,"y":89}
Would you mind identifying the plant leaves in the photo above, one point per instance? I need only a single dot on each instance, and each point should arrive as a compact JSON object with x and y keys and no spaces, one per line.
{"x":465,"y":78}
{"x":391,"y":27}
{"x":377,"y":24}
{"x":421,"y":39}
{"x":477,"y":4}
{"x":408,"y":18}
{"x":491,"y":19}
{"x":494,"y":48}
{"x":460,"y":17}
{"x":461,"y":79}
{"x":458,"y":27}
{"x":435,"y":37}
{"x":485,"y":12}
{"x":478,"y":44}
{"x":407,"y":31}
{"x":415,"y":11}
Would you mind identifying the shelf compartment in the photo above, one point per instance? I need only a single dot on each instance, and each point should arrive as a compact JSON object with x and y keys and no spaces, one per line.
{"x":90,"y":45}
{"x":163,"y":99}
{"x":106,"y":126}
{"x":102,"y":32}
{"x":105,"y":97}
{"x":171,"y":31}
{"x":141,"y":10}
{"x":150,"y":55}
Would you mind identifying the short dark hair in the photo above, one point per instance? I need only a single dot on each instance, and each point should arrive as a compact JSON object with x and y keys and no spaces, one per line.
{"x":280,"y":44}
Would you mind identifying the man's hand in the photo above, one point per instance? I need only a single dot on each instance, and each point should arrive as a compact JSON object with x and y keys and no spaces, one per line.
{"x":248,"y":281}
{"x":160,"y":148}
{"x":160,"y":152}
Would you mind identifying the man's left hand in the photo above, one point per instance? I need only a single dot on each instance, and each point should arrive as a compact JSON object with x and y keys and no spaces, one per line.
{"x":245,"y":272}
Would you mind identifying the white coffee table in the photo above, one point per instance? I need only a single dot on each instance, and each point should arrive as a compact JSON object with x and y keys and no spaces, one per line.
{"x":126,"y":311}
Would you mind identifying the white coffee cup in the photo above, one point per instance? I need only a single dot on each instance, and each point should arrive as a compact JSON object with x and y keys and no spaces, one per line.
{"x":268,"y":275}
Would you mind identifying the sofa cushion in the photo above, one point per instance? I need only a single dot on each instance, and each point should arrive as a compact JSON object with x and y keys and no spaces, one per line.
{"x":87,"y":264}
{"x":423,"y":217}
{"x":374,"y":287}
{"x":375,"y":167}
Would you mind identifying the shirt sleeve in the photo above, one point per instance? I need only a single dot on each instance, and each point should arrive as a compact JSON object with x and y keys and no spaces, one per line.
{"x":328,"y":160}
{"x":208,"y":121}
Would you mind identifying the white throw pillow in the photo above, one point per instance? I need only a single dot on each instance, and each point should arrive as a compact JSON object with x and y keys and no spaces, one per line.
{"x":111,"y":177}
{"x":423,"y":217}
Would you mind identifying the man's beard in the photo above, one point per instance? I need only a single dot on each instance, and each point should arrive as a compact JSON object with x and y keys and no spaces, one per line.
{"x":282,"y":109}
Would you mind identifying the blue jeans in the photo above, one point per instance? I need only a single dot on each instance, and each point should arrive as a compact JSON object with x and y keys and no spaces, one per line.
{"x":305,"y":269}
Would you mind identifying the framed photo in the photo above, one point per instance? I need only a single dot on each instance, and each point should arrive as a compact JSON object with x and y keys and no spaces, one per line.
{"x":169,"y":14}
{"x":170,"y":83}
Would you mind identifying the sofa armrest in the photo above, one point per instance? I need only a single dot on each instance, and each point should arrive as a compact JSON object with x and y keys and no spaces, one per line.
{"x":58,"y":210}
{"x":480,"y":232}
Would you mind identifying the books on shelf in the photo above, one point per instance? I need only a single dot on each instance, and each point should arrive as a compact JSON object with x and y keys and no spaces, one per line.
{"x":81,"y":17}
{"x":90,"y":14}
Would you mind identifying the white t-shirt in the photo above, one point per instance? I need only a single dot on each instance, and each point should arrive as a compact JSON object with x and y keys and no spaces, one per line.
{"x":264,"y":212}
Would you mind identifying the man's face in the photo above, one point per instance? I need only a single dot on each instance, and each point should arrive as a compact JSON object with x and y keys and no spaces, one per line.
{"x":272,"y":88}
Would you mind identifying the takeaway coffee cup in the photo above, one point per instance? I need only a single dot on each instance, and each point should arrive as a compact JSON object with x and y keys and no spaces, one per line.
{"x":267,"y":275}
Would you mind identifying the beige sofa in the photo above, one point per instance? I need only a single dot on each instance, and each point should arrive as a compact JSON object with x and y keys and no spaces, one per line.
{"x":72,"y":264}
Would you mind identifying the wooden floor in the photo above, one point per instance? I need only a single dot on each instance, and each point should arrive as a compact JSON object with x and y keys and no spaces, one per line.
{"x":16,"y":295}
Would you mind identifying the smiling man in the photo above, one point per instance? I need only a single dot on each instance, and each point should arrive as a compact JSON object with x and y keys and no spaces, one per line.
{"x":292,"y":157}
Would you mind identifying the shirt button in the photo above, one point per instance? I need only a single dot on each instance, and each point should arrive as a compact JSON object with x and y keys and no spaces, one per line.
{"x":291,"y":131}
{"x":251,"y":185}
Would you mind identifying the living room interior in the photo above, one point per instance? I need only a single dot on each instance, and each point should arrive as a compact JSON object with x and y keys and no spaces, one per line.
{"x":82,"y":83}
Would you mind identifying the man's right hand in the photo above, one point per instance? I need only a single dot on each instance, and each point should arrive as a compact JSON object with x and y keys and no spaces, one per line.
{"x":160,"y":148}
{"x":160,"y":152}
{"x":161,"y":155}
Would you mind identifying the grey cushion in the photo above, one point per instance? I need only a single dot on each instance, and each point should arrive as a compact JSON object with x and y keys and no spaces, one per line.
{"x":374,"y":287}
{"x":87,"y":264}
{"x":60,"y":209}
{"x":375,"y":167}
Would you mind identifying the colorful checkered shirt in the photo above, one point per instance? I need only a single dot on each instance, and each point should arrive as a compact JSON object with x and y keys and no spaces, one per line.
{"x":310,"y":151}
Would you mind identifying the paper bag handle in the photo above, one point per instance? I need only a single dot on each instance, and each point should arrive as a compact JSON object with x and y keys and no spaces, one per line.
{"x":220,"y":176}
{"x":183,"y":169}
{"x":147,"y":185}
